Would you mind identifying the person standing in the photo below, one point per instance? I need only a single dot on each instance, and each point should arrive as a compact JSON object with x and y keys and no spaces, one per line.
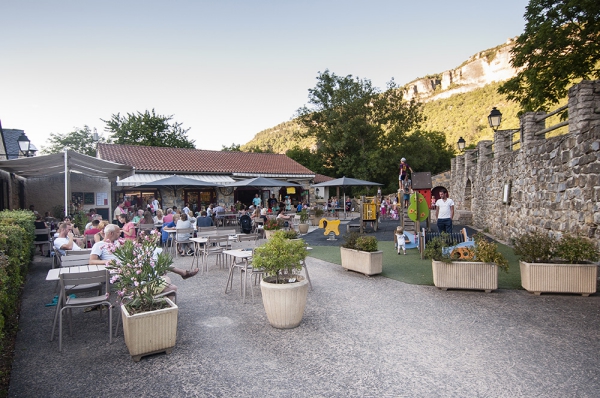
{"x":444,"y":212}
{"x":256,"y":201}
{"x":403,"y":175}
{"x":118,"y":211}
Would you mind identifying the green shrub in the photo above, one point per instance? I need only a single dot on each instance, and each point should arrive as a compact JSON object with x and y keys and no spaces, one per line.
{"x":356,"y":241}
{"x":576,"y":249}
{"x":535,"y":247}
{"x":290,"y":234}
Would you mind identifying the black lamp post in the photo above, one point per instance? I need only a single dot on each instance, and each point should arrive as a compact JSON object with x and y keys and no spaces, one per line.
{"x":24,"y":145}
{"x":495,"y":118}
{"x":461,"y":144}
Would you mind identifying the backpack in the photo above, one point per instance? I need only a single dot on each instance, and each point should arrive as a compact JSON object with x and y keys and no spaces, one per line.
{"x":246,"y":224}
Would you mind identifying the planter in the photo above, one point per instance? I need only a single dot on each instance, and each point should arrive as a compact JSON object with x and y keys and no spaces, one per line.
{"x":303,"y":228}
{"x":465,"y":275}
{"x":559,"y":278}
{"x":314,"y":221}
{"x":269,"y":233}
{"x":284,"y":303}
{"x":368,"y":263}
{"x":150,"y":332}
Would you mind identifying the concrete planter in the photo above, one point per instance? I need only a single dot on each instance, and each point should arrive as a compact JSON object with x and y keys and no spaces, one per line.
{"x":303,"y":228}
{"x":368,"y":263}
{"x":150,"y":332}
{"x":284,"y":303}
{"x":465,"y":275}
{"x":539,"y":278}
{"x":269,"y":233}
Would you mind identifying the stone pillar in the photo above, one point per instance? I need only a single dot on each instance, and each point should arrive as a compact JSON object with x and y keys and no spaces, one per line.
{"x":530,"y":126}
{"x":453,"y":169}
{"x":502,"y":141}
{"x":584,"y":106}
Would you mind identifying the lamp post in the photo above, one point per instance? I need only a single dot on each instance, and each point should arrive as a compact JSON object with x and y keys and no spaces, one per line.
{"x":495,"y":118}
{"x":461,"y":144}
{"x":25,"y":146}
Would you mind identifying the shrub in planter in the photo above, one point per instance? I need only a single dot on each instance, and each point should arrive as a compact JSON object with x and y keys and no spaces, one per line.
{"x":548,"y":265}
{"x":359,"y":253}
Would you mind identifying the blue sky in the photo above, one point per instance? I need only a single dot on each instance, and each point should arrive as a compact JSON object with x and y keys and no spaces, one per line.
{"x":224,"y":69}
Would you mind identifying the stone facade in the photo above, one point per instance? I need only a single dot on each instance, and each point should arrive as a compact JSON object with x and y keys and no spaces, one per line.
{"x":550,"y":184}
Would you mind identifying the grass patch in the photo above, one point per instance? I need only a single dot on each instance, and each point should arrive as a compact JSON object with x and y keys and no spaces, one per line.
{"x":411,"y":269}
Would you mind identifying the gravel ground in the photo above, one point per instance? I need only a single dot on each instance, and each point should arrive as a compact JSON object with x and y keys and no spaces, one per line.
{"x":360,"y":337}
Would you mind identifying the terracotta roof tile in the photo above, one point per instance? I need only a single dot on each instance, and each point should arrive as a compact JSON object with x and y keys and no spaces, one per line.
{"x":319,"y":178}
{"x":180,"y":160}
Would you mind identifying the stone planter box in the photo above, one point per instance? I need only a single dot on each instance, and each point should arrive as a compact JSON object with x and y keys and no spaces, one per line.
{"x":465,"y":275}
{"x":368,"y":263}
{"x":540,"y":278}
{"x":150,"y":332}
{"x":284,"y":303}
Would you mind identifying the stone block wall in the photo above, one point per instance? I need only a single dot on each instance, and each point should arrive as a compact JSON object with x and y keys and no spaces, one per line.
{"x":554,"y":182}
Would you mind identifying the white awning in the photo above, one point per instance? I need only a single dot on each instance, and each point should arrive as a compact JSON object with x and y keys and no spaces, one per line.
{"x":139,"y":179}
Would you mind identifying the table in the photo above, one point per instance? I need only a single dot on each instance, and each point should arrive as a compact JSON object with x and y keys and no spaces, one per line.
{"x":54,"y":274}
{"x":202,"y":238}
{"x":243,"y":255}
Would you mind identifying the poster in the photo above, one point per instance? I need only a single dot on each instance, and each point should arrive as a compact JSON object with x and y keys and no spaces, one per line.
{"x":101,"y":199}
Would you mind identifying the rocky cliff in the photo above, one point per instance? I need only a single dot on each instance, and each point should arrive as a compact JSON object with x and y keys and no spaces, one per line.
{"x":485,"y":67}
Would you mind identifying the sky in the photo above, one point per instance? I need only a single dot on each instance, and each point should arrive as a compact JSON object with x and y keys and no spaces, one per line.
{"x":224,"y":69}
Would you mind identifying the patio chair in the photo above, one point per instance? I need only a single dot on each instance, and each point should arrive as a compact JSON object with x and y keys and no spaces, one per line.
{"x":182,"y":237}
{"x":215,"y":245}
{"x":67,"y":302}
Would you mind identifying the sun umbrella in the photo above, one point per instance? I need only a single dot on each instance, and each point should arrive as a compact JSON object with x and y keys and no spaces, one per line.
{"x":259,"y":182}
{"x":176,"y":182}
{"x":345,"y":182}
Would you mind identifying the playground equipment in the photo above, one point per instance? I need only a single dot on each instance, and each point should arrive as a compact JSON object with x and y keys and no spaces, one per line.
{"x":331,"y":227}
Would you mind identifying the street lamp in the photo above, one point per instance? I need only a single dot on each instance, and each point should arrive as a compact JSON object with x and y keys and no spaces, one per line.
{"x":495,"y":118}
{"x":461,"y":144}
{"x":24,"y":144}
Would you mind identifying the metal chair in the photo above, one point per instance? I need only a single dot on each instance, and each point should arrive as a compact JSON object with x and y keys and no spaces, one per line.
{"x":67,"y":302}
{"x":182,"y":237}
{"x":45,"y":234}
{"x":214,"y":246}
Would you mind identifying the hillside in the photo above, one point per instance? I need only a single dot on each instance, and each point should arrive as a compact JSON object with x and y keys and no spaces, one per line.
{"x":455,"y":102}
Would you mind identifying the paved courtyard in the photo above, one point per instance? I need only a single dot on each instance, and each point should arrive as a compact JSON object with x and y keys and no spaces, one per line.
{"x":360,"y":337}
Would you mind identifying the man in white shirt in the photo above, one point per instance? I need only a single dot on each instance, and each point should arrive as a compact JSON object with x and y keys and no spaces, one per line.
{"x":100,"y":254}
{"x":66,"y":239}
{"x":186,"y":209}
{"x":444,"y":212}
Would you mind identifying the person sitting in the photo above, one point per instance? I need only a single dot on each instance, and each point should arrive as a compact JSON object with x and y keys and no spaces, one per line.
{"x":99,"y":236}
{"x":148,"y":219}
{"x":169,"y":226}
{"x":184,"y":223}
{"x":139,"y":215}
{"x":158,"y":218}
{"x":204,"y":220}
{"x":66,"y":239}
{"x":72,"y":227}
{"x":128,"y":227}
{"x":285,"y":218}
{"x":168,"y":218}
{"x":93,"y":230}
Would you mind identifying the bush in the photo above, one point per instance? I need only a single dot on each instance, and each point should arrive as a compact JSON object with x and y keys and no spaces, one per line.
{"x":576,"y":249}
{"x":535,"y":247}
{"x":356,"y":241}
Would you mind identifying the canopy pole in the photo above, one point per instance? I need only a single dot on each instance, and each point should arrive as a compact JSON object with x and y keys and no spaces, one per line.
{"x":66,"y":182}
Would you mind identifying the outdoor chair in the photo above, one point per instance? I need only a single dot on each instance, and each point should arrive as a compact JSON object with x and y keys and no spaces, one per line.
{"x":215,"y":246}
{"x":182,"y":237}
{"x":67,"y":302}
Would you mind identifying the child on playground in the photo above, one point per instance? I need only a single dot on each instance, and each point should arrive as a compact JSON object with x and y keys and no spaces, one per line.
{"x":400,"y":240}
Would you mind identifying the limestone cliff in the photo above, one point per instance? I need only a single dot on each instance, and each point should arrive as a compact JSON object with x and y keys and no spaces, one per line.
{"x":485,"y":67}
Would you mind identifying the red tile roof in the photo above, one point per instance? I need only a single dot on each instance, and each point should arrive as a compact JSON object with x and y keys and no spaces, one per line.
{"x":322,"y":178}
{"x":164,"y":159}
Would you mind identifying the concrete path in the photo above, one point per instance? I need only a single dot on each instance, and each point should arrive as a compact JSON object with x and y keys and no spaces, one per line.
{"x":360,"y":337}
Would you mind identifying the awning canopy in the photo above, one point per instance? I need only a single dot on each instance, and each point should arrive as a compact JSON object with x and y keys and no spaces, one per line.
{"x":143,"y":178}
{"x":47,"y":165}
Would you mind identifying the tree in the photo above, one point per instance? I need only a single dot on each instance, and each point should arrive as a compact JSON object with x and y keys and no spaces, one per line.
{"x":232,"y":148}
{"x":306,"y":158}
{"x":148,"y":130}
{"x":560,"y":45}
{"x":357,"y":127}
{"x":79,"y":140}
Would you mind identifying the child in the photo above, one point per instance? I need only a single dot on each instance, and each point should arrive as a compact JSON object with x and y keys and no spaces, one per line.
{"x":400,"y":239}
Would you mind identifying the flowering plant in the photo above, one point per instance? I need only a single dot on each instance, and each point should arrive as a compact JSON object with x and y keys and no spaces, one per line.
{"x":272,"y":224}
{"x":138,"y":271}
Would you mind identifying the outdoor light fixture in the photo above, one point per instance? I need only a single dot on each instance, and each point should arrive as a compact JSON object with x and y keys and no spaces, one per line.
{"x":24,"y":144}
{"x":495,"y":118}
{"x":461,"y":144}
{"x":95,"y":136}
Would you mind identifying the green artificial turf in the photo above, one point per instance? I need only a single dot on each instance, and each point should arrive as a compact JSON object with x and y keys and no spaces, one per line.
{"x":411,"y":269}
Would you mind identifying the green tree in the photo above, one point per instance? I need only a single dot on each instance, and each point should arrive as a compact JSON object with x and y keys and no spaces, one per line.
{"x":232,"y":148}
{"x":147,"y":129}
{"x":560,"y":45}
{"x":306,"y":158}
{"x":357,"y":127}
{"x":426,"y":151}
{"x":79,"y":140}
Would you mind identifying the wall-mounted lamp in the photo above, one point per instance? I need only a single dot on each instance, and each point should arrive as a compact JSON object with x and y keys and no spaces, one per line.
{"x":495,"y":118}
{"x":461,"y":144}
{"x":25,"y":146}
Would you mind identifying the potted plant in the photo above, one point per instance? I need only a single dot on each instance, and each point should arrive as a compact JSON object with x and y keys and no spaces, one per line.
{"x":558,"y":266}
{"x":359,"y":253}
{"x":271,"y":226}
{"x":318,"y":214}
{"x":149,"y":323}
{"x":290,"y":234}
{"x":303,"y":226}
{"x":283,"y":290}
{"x":474,"y":267}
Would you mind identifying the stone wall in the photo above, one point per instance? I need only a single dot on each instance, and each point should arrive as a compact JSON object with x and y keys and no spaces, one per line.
{"x":554,"y":183}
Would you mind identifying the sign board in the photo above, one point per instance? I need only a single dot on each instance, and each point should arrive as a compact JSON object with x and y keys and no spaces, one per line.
{"x":421,"y":180}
